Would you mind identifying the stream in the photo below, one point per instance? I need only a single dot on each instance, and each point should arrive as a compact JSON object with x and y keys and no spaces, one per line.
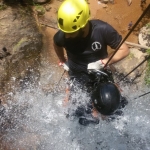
{"x":35,"y":119}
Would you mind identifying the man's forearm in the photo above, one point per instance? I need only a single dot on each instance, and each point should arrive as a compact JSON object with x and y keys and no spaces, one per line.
{"x":122,"y":52}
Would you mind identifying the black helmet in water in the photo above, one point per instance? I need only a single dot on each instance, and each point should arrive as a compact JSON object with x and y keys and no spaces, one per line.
{"x":106,"y":98}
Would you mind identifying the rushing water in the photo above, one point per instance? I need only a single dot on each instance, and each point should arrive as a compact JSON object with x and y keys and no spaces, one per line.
{"x":36,"y":120}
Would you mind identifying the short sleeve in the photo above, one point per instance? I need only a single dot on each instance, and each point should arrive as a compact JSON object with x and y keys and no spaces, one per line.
{"x":112,"y":37}
{"x":59,"y":38}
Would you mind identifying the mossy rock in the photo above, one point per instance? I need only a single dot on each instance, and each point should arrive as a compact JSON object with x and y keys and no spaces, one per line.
{"x":40,"y":10}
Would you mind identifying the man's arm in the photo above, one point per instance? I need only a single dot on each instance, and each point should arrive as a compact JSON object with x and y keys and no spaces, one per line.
{"x":60,"y":52}
{"x":122,"y":52}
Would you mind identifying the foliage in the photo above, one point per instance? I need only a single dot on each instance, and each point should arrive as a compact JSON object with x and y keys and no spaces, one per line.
{"x":40,"y":9}
{"x":148,"y":27}
{"x":2,"y":7}
{"x":131,"y":56}
{"x":147,"y":77}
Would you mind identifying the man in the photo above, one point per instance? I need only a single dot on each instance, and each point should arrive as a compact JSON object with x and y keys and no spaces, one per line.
{"x":85,"y":41}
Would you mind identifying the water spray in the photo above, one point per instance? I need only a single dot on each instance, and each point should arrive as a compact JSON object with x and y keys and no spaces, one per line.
{"x":142,"y":95}
{"x":61,"y":77}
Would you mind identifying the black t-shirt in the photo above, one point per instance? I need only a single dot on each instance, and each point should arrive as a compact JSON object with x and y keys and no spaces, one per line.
{"x":93,"y":47}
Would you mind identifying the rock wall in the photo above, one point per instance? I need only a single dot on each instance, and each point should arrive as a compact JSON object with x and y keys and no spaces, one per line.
{"x":20,"y":45}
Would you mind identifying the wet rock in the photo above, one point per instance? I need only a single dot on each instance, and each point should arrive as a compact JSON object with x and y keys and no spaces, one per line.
{"x":20,"y":44}
{"x":105,"y":1}
{"x":104,"y":5}
{"x":41,"y":1}
{"x":129,"y":2}
{"x":4,"y":53}
{"x":48,"y":8}
{"x":126,"y":65}
{"x":40,"y":10}
{"x":111,"y":1}
{"x":144,"y":35}
{"x":25,"y":2}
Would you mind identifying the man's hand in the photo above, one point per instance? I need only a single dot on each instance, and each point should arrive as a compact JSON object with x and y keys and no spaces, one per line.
{"x":65,"y":65}
{"x":96,"y":65}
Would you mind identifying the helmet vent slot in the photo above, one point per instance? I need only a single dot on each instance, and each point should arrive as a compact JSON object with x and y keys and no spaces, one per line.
{"x":60,"y":21}
{"x":74,"y":27}
{"x":78,"y":17}
{"x":75,"y":20}
{"x":80,"y":12}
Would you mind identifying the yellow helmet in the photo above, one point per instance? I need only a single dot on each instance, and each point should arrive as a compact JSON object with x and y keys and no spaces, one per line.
{"x":73,"y":15}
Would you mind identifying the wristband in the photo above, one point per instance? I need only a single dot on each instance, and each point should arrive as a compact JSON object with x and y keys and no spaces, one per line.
{"x":60,"y":63}
{"x":102,"y":62}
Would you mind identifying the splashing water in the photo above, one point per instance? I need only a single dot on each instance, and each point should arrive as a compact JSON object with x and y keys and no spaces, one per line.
{"x":35,"y":119}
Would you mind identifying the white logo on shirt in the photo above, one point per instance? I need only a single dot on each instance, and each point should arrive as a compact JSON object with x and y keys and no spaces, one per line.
{"x":96,"y":46}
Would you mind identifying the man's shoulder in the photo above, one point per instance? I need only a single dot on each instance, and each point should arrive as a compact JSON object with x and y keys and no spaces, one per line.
{"x":59,"y":33}
{"x":59,"y":38}
{"x":101,"y":25}
{"x":97,"y":22}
